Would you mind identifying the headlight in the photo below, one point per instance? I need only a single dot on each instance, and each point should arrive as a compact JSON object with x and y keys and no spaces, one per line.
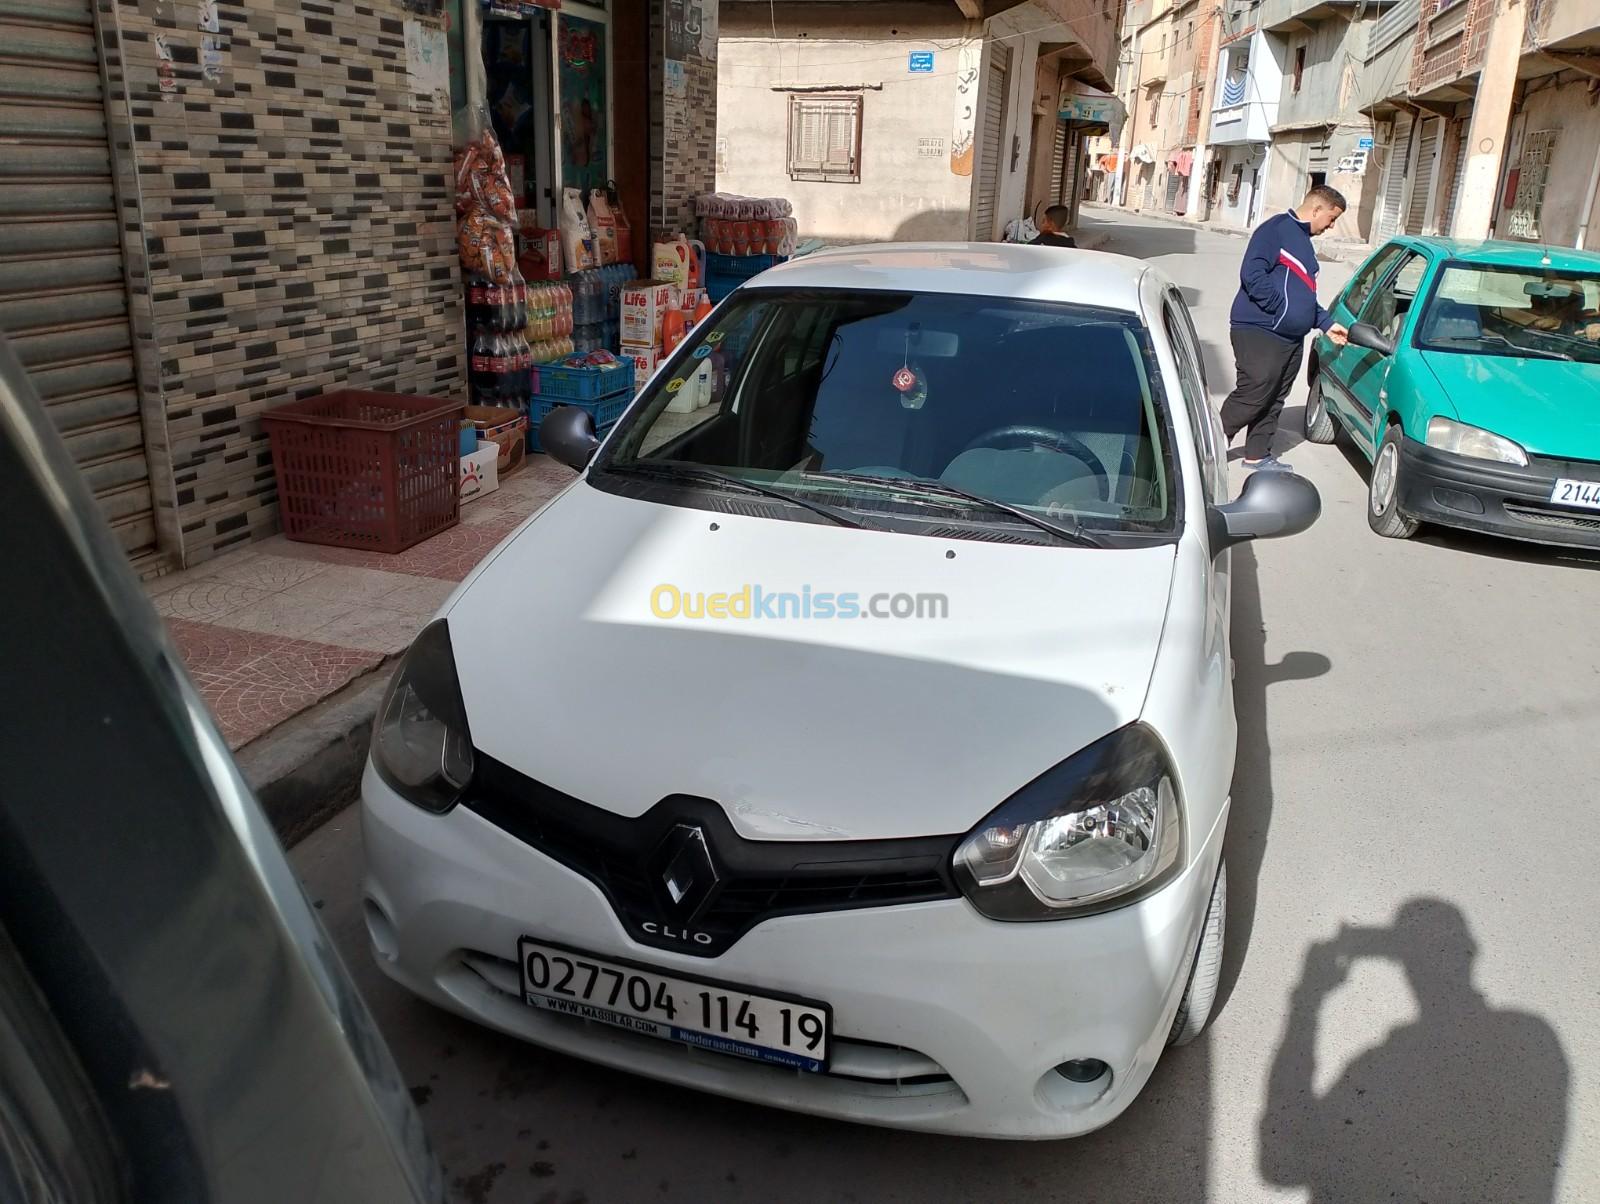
{"x":1451,"y":436}
{"x":420,"y":743}
{"x":1100,"y":830}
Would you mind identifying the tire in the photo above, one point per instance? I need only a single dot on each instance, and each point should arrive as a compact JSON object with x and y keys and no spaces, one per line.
{"x":1201,"y":992}
{"x":1383,"y":490}
{"x":1320,"y":427}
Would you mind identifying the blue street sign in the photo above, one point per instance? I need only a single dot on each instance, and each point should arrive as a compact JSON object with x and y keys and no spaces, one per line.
{"x":1364,"y":144}
{"x":921,"y":60}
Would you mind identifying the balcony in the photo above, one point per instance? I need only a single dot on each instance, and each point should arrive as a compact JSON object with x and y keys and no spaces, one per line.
{"x":1449,"y":47}
{"x":1240,"y":123}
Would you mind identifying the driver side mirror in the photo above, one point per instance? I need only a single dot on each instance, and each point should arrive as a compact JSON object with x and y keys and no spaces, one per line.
{"x":567,"y":433}
{"x":1365,"y":334}
{"x":1271,"y":504}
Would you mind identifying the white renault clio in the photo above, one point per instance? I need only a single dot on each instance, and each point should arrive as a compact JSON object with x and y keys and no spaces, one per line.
{"x":854,"y":734}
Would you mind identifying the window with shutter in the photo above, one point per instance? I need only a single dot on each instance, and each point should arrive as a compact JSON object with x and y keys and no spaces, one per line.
{"x":825,"y":138}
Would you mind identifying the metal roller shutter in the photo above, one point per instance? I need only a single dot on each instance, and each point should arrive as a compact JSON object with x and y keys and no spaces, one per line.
{"x":1067,"y":181}
{"x":63,"y":300}
{"x":989,"y":149}
{"x":1058,"y":157}
{"x":1394,"y":180}
{"x":1455,"y":181}
{"x":1422,"y":190}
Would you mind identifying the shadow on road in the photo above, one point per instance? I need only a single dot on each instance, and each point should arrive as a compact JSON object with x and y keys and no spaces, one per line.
{"x":1466,"y":1103}
{"x":1147,"y":240}
{"x":1253,"y":796}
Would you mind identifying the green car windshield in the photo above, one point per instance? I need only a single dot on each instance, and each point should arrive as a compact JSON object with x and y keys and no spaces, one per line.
{"x":1509,"y":311}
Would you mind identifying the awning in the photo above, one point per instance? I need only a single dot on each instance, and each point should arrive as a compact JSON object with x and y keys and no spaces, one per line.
{"x":1095,"y":111}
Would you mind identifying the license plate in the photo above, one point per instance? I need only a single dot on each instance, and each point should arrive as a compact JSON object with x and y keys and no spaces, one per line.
{"x":716,"y":1016}
{"x":1576,"y":493}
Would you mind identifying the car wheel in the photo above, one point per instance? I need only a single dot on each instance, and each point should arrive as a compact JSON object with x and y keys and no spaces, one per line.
{"x":1383,"y":491}
{"x":1201,"y":993}
{"x":1320,"y":426}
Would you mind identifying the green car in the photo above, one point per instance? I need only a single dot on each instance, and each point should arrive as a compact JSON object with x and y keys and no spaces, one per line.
{"x":1472,"y":382}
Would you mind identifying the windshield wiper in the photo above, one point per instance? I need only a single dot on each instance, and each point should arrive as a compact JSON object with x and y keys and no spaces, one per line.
{"x":1069,"y":530}
{"x":1490,"y":336}
{"x":696,"y":472}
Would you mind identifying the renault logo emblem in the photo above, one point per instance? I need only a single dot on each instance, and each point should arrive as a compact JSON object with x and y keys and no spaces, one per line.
{"x":687,"y":873}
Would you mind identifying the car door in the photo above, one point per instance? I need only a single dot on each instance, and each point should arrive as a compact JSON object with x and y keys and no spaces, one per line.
{"x":1328,"y":357}
{"x":1365,"y":372}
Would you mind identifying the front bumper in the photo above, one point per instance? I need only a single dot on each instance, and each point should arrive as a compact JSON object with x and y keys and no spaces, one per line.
{"x":1493,"y":498}
{"x":943,"y":1021}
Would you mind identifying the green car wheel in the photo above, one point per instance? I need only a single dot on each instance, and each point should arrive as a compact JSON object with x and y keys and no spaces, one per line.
{"x":1383,"y":490}
{"x":1320,"y":427}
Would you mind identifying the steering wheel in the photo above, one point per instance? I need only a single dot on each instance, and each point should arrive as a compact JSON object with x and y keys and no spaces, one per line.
{"x":1021,"y":434}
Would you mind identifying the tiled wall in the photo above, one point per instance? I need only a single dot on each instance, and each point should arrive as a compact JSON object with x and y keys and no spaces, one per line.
{"x":683,"y":129}
{"x":288,"y":230}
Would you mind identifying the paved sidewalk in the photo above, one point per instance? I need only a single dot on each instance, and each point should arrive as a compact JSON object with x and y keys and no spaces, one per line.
{"x":269,"y":631}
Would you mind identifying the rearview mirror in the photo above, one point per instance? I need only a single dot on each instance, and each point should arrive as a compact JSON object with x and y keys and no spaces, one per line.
{"x":1364,"y":334}
{"x":567,"y":433}
{"x":1272,"y":503}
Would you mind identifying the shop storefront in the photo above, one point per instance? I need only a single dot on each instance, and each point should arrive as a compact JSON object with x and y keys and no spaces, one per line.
{"x":1084,"y":113}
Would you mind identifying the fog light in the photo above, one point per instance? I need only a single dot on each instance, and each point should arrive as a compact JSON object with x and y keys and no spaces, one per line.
{"x":1082,"y":1070}
{"x":1455,"y":499}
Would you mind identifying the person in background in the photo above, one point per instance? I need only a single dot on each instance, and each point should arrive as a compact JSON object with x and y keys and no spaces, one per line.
{"x":1055,"y":220}
{"x":1275,"y":309}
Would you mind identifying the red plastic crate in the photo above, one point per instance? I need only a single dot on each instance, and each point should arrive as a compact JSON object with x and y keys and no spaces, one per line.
{"x":366,"y":470}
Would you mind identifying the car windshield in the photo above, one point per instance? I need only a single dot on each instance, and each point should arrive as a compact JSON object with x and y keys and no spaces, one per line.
{"x":1525,"y":312}
{"x":874,"y":403}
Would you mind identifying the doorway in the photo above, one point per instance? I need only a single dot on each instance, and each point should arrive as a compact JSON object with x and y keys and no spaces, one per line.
{"x":518,"y":86}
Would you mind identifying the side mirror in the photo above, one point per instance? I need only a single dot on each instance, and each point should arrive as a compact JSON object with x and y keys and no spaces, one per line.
{"x":1365,"y":334}
{"x":1272,"y":503}
{"x":567,"y":433}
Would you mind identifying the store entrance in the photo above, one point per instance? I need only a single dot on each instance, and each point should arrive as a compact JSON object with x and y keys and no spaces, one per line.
{"x":517,"y":62}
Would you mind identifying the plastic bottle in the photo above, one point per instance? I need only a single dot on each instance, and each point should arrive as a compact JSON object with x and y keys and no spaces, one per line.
{"x":478,"y":315}
{"x":482,"y":384}
{"x":672,"y":330}
{"x":518,"y":317}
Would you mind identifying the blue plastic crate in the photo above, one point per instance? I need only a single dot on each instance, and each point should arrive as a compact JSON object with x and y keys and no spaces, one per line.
{"x":719,"y":286}
{"x":582,"y":384}
{"x":605,"y":412}
{"x":739,"y":267}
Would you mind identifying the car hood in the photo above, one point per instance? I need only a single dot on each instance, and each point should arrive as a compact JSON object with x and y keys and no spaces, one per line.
{"x":1550,"y":407}
{"x":801,"y":729}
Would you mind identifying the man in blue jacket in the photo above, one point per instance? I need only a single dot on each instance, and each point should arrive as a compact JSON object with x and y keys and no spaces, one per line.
{"x":1276,"y":308}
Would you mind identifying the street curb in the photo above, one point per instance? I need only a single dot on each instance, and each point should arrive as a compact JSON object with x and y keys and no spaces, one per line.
{"x":309,"y":767}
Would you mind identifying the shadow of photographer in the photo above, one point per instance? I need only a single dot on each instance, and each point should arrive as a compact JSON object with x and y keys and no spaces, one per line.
{"x":1465,"y":1103}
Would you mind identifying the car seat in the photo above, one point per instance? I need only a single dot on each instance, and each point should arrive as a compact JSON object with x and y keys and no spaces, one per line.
{"x":1449,"y":320}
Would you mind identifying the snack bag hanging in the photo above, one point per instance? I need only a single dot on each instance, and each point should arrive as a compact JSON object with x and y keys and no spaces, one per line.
{"x":577,"y":240}
{"x":603,"y":224}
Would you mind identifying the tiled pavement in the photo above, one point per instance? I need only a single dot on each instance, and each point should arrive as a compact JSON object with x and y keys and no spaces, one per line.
{"x":275,"y":628}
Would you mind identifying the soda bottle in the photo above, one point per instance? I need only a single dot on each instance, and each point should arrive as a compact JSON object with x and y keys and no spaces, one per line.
{"x":519,"y":298}
{"x":480,"y":367}
{"x":477,"y":300}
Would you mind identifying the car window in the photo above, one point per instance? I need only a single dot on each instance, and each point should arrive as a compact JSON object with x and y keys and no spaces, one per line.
{"x":703,"y":392}
{"x":1391,"y":301}
{"x":1187,"y":353}
{"x":1361,"y":287}
{"x":1048,"y":406}
{"x":1514,"y":311}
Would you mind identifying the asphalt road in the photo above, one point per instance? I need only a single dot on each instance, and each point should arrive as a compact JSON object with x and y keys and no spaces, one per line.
{"x":1411,"y":996}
